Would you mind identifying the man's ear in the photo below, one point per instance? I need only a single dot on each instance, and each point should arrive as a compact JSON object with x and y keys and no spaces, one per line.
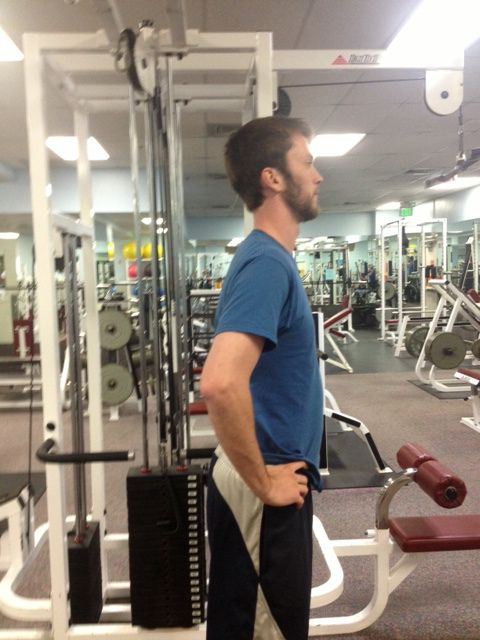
{"x":272,"y":179}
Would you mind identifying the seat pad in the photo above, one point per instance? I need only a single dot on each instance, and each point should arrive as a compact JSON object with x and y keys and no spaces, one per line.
{"x":436,"y":533}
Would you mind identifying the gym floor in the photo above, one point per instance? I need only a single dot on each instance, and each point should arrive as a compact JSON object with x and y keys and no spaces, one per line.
{"x":437,"y":602}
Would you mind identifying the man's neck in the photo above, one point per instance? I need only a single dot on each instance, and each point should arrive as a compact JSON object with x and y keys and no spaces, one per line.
{"x":276,"y":220}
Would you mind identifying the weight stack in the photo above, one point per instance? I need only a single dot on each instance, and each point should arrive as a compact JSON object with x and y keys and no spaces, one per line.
{"x":166,"y":547}
{"x":86,"y":599}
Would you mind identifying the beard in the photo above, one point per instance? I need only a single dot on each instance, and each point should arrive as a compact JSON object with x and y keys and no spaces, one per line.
{"x":304,"y":207}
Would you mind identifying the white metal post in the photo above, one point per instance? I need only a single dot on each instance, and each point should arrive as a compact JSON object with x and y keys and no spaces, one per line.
{"x":399,"y":276}
{"x":90,"y":320}
{"x":475,"y":256}
{"x":48,"y":327}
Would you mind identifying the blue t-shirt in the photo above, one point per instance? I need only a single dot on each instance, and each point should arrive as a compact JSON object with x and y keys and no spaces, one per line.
{"x":263,"y":295}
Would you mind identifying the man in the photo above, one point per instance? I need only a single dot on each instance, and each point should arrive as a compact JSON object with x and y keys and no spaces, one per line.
{"x":262,"y":386}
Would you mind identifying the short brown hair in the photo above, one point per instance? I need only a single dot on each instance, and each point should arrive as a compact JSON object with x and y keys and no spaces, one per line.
{"x":263,"y":142}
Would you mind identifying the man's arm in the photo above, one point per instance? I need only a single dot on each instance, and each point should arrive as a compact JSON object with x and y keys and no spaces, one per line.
{"x":225,"y":387}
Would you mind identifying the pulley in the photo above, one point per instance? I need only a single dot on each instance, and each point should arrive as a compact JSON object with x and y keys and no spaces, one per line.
{"x":117,"y":384}
{"x":445,"y":350}
{"x":115,"y":329}
{"x":390,"y":291}
{"x":414,"y":341}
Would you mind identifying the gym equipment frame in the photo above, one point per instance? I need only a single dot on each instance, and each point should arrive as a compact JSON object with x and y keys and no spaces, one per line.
{"x":461,"y":307}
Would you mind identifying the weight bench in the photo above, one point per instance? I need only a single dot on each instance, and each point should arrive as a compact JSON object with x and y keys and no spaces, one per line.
{"x":434,"y":533}
{"x":413,"y":536}
{"x":471,"y":377}
{"x":333,"y":327}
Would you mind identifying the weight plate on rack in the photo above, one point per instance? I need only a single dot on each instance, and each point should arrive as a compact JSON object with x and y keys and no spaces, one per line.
{"x":390,"y":291}
{"x":476,"y":349}
{"x":414,"y":340}
{"x":445,"y":350}
{"x":115,"y":329}
{"x":117,"y":384}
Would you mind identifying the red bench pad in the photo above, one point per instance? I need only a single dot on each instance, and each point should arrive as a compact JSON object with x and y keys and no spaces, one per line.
{"x":436,"y":533}
{"x":341,"y":315}
{"x":197,"y":408}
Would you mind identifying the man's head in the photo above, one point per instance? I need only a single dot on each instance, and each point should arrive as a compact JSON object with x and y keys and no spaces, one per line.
{"x":265,"y":143}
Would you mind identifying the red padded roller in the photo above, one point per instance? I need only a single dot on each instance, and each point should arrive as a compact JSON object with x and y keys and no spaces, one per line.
{"x":197,"y":408}
{"x":412,"y":455}
{"x":473,"y":295}
{"x":441,"y":484}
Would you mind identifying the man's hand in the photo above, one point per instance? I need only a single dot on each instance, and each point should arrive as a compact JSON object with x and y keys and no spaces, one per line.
{"x":286,"y":486}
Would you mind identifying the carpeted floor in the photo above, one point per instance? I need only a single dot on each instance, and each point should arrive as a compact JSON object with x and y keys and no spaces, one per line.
{"x":437,"y":602}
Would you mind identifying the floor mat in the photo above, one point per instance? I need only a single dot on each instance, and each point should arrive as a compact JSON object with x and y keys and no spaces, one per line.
{"x":441,"y":395}
{"x":350,"y":463}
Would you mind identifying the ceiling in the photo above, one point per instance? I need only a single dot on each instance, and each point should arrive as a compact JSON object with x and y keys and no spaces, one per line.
{"x":405,"y":142}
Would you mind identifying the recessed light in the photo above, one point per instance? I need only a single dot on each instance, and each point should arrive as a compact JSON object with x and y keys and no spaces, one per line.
{"x":334,"y":144}
{"x":9,"y":52}
{"x":66,"y":147}
{"x":455,"y":184}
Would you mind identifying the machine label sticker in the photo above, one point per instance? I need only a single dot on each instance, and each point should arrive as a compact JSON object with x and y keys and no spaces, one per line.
{"x":364,"y":58}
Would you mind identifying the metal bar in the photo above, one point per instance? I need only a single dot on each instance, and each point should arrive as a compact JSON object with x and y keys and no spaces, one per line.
{"x":48,"y":321}
{"x":177,"y":22}
{"x":71,"y":226}
{"x":151,"y":154}
{"x":75,"y":375}
{"x":133,"y":134}
{"x":45,"y":455}
{"x":173,"y":285}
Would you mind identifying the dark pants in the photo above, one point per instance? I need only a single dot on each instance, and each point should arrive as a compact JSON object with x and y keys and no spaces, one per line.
{"x":261,"y":562}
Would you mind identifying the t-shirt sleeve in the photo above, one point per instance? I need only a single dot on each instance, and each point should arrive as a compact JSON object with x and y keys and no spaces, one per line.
{"x":255,"y":302}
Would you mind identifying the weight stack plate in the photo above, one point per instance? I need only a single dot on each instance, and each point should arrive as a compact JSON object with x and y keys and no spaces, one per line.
{"x":86,"y":599}
{"x":166,"y":547}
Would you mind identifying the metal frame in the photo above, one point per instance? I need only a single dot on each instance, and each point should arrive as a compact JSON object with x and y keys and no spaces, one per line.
{"x":462,"y":306}
{"x":46,"y":55}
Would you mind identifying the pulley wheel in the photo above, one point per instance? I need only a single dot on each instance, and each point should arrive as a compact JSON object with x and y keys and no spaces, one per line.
{"x":414,"y":340}
{"x":476,"y":349}
{"x":136,"y":357}
{"x":390,"y":291}
{"x":117,"y":384}
{"x":115,"y":329}
{"x":445,"y":350}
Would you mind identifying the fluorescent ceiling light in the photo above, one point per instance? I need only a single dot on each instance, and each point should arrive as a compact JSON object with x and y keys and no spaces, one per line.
{"x":66,"y":147}
{"x":455,"y":184}
{"x":334,"y":144}
{"x":234,"y":242}
{"x":389,"y":206}
{"x":9,"y":52}
{"x":437,"y":29}
{"x":9,"y":235}
{"x":149,"y":220}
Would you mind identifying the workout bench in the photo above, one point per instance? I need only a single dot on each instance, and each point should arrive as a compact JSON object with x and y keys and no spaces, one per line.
{"x":333,"y":327}
{"x":472,"y":377}
{"x":413,"y":536}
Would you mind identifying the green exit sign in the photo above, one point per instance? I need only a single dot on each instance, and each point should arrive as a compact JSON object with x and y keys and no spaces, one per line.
{"x":405,"y":212}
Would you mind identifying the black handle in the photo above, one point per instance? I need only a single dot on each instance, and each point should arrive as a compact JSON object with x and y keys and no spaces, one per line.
{"x":43,"y":454}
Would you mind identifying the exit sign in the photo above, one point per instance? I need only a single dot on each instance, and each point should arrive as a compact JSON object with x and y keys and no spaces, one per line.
{"x":405,"y":212}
